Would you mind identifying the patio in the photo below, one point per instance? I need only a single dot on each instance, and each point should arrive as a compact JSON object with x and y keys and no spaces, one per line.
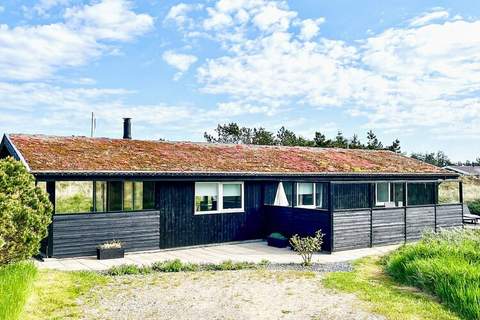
{"x":251,"y":251}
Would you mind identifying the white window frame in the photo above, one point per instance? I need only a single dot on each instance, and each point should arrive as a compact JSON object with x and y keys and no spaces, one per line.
{"x":314,"y":196}
{"x":220,"y":198}
{"x":382,"y":203}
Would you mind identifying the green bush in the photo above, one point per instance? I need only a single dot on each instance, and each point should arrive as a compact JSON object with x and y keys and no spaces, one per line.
{"x":307,"y":246}
{"x":128,"y":269}
{"x":174,"y":266}
{"x":15,"y":283}
{"x":474,"y":206}
{"x":446,"y":264}
{"x":25,"y":213}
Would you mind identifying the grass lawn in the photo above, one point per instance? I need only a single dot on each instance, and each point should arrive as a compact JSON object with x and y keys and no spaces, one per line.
{"x":54,"y":294}
{"x":384,"y":296}
{"x":15,"y":284}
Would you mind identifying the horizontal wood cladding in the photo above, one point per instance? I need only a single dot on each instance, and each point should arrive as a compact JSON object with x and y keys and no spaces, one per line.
{"x":79,"y":235}
{"x":419,"y":220}
{"x":388,"y":226}
{"x":304,"y":222}
{"x":351,"y":230}
{"x":179,"y":226}
{"x":449,"y":216}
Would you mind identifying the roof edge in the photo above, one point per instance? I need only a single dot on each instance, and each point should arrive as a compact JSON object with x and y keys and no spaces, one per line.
{"x":13,"y":149}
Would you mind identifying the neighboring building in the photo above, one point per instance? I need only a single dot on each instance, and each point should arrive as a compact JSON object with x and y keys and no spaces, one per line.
{"x":465,"y":170}
{"x":154,"y":194}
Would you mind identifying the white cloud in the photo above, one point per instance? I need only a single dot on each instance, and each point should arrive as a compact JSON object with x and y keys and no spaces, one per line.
{"x":180,"y":61}
{"x":36,"y":52}
{"x":179,"y":14}
{"x":310,"y":28}
{"x":429,"y":17}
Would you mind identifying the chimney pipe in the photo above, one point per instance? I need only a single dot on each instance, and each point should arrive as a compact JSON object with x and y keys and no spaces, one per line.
{"x":127,"y":128}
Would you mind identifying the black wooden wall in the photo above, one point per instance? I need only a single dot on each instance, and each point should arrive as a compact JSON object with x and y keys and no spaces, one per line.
{"x":179,"y":226}
{"x":80,"y":234}
{"x":304,"y":222}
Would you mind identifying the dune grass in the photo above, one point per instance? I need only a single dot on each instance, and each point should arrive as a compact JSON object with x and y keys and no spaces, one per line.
{"x":446,"y":264}
{"x":56,"y":294}
{"x":382,"y":295}
{"x":15,"y":284}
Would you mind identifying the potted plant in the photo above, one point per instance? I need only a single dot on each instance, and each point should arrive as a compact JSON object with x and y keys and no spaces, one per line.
{"x":110,"y":250}
{"x":277,"y":240}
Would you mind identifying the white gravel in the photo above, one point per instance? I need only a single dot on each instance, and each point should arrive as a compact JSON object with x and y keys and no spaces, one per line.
{"x":246,"y":294}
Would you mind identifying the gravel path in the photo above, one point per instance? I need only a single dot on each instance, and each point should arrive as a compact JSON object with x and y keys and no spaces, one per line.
{"x":247,"y":294}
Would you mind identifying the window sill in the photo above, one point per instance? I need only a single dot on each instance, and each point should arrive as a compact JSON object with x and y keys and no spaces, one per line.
{"x":201,"y":213}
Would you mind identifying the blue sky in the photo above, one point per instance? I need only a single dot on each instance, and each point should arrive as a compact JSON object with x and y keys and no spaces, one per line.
{"x":406,"y":69}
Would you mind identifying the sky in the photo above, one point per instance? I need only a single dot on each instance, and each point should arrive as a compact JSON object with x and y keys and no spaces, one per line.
{"x":406,"y":69}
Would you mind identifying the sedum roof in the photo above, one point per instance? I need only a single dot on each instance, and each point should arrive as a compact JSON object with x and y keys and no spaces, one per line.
{"x":79,"y":154}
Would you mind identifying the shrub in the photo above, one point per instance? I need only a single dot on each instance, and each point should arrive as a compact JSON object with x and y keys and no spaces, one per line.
{"x":128,"y":269}
{"x":307,"y":246}
{"x":474,"y":206}
{"x":174,"y":266}
{"x":25,"y":212}
{"x":15,"y":282}
{"x":446,"y":264}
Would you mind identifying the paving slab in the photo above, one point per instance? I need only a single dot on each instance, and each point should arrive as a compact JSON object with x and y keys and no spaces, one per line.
{"x":238,"y":252}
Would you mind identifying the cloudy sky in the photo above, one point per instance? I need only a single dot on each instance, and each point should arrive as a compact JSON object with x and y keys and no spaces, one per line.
{"x":407,"y":69}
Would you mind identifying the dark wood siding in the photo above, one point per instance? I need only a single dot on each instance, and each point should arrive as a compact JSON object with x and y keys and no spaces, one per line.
{"x":180,"y":227}
{"x":449,"y":216}
{"x":419,"y":219}
{"x":388,"y":226}
{"x":304,"y":222}
{"x":351,"y":229}
{"x":78,"y":235}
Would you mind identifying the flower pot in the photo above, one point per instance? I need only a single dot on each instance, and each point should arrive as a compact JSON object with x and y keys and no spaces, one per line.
{"x":113,"y":253}
{"x":277,"y":243}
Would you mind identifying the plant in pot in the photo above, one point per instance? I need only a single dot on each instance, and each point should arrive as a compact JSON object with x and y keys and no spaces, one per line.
{"x":110,"y":250}
{"x":277,"y":240}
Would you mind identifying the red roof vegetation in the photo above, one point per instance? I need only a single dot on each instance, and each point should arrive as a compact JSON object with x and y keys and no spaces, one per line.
{"x":70,"y":154}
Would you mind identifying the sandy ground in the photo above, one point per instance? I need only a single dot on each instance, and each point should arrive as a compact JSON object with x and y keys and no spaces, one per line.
{"x":249,"y":294}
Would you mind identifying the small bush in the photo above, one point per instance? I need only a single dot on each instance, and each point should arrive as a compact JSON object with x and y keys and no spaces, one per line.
{"x":229,"y":265}
{"x":128,"y":269}
{"x":25,"y":213}
{"x":174,"y":266}
{"x":474,"y":207}
{"x":15,"y":283}
{"x":307,"y":246}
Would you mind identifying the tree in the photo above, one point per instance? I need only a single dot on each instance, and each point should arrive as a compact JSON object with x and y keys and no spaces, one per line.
{"x":395,"y":147}
{"x":372,"y":141}
{"x":227,"y":133}
{"x":320,"y":140}
{"x":286,"y":137}
{"x":263,"y":137}
{"x":25,"y":212}
{"x":340,"y":140}
{"x":307,"y":246}
{"x":355,"y":143}
{"x":439,"y":159}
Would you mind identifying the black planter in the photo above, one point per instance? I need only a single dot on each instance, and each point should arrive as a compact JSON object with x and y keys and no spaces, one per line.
{"x":278,"y":243}
{"x":113,"y":253}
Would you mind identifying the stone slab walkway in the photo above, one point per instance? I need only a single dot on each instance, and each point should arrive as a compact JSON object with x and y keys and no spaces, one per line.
{"x":246,"y":251}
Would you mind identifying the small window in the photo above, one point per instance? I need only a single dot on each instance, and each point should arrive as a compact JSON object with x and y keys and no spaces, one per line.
{"x":448,"y":192}
{"x":128,"y":196}
{"x":421,"y":193}
{"x":321,"y":195}
{"x":100,"y":196}
{"x":148,"y":189}
{"x":232,"y":196}
{"x":382,"y":193}
{"x":305,"y":194}
{"x":115,"y":189}
{"x":73,"y":197}
{"x":206,"y":197}
{"x":214,"y":197}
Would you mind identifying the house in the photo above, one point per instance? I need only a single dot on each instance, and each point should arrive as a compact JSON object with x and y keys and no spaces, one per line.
{"x":157,"y":194}
{"x":473,"y":171}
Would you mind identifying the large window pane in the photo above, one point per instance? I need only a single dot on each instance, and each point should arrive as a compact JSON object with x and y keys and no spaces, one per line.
{"x":351,"y":196}
{"x":73,"y":196}
{"x":382,"y":193}
{"x":448,"y":192}
{"x":321,"y":195}
{"x":206,"y":197}
{"x":115,"y":195}
{"x":288,"y":187}
{"x":100,"y":196}
{"x":137,"y":195}
{"x":421,"y":193}
{"x":232,"y":196}
{"x":149,"y":195}
{"x":398,"y":194}
{"x":128,"y":196}
{"x":305,"y":194}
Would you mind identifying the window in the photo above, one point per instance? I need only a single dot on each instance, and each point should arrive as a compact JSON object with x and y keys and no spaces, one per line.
{"x":73,"y":197}
{"x":351,"y":195}
{"x":448,"y":192}
{"x":148,"y":190}
{"x":321,"y":195}
{"x":312,"y":195}
{"x":100,"y":196}
{"x":389,"y":194}
{"x":213,"y":197}
{"x":115,"y":189}
{"x":382,"y":195}
{"x":421,"y":193}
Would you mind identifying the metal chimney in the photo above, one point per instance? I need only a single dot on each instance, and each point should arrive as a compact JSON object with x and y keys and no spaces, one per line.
{"x":127,"y":128}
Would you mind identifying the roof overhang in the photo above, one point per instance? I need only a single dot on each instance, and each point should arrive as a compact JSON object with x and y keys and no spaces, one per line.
{"x":13,"y":150}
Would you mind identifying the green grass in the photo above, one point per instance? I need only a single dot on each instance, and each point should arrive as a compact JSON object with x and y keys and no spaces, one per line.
{"x":179,"y":266}
{"x":382,"y":295}
{"x":15,"y":283}
{"x":445,"y":264}
{"x":55,"y":294}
